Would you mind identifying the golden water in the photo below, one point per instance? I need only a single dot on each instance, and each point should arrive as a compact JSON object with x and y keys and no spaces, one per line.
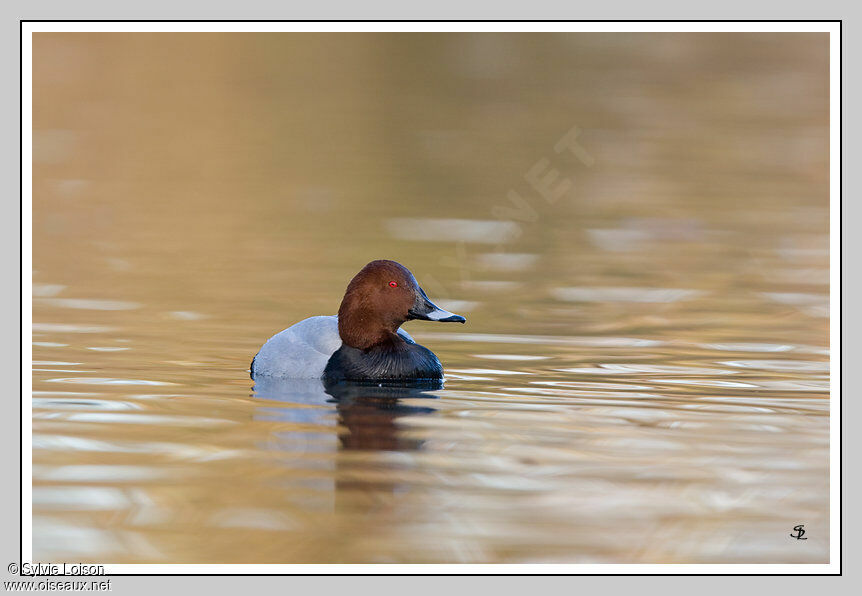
{"x":643,"y":376}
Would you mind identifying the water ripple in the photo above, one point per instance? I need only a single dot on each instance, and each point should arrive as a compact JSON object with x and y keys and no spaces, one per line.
{"x":549,"y":340}
{"x":88,"y":304}
{"x":105,"y":381}
{"x":624,"y":294}
{"x":780,"y":365}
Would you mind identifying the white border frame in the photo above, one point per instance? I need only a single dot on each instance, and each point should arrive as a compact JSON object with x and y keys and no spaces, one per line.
{"x":831,"y":27}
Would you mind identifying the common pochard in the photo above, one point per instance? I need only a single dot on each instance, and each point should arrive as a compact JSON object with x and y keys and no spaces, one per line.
{"x":364,"y":342}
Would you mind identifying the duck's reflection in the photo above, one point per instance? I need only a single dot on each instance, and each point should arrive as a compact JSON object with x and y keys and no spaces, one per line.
{"x":360,"y":478}
{"x":367,"y":414}
{"x":370,"y":414}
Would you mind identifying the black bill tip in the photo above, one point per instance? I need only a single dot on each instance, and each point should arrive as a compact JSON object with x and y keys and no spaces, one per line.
{"x":453,"y":319}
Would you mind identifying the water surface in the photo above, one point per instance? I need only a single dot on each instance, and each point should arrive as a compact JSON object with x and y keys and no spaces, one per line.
{"x":643,"y":377}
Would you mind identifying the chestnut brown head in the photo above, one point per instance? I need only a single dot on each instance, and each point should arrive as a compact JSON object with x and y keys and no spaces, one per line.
{"x":379,"y":299}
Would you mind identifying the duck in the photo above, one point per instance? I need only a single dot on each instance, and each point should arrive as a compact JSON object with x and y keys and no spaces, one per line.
{"x":364,"y":342}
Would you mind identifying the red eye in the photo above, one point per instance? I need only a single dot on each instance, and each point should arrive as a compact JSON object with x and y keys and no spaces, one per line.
{"x":393,"y":284}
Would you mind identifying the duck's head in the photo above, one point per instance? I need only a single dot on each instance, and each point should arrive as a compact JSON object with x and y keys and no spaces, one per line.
{"x":379,"y":299}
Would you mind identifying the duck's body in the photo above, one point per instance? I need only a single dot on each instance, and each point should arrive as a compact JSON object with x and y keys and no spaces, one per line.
{"x":401,"y":359}
{"x":303,"y":350}
{"x":365,"y":341}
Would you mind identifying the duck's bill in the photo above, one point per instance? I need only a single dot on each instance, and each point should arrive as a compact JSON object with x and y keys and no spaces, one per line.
{"x":426,"y":310}
{"x":444,"y":316}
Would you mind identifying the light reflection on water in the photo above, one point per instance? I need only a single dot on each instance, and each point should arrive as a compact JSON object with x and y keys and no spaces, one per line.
{"x":644,"y":373}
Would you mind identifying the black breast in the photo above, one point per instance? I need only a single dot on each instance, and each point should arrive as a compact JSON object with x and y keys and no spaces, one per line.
{"x":396,"y":361}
